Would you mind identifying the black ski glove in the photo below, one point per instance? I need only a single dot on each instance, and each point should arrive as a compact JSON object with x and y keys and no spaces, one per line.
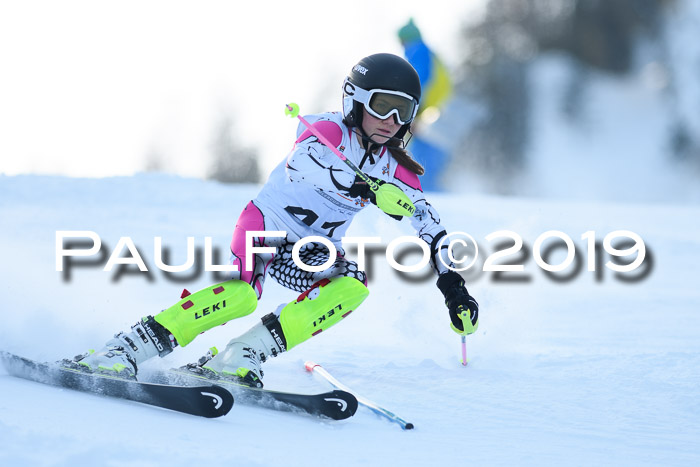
{"x":362,"y":189}
{"x":464,"y":311}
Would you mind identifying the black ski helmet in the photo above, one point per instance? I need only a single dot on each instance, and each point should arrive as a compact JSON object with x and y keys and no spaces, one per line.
{"x":379,"y":71}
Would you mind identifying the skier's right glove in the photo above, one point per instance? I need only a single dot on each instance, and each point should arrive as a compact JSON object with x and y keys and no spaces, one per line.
{"x":389,"y":198}
{"x":361,"y":188}
{"x":464,"y":310}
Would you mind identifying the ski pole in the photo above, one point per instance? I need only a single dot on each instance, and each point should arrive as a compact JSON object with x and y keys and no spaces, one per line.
{"x":464,"y":316}
{"x":319,"y":370}
{"x":464,"y":350}
{"x":389,"y":197}
{"x":293,"y":111}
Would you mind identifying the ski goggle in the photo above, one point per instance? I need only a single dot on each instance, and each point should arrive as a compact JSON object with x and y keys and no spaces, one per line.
{"x":382,"y":103}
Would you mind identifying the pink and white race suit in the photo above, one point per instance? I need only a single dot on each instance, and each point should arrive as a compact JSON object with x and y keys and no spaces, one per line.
{"x":307,"y":194}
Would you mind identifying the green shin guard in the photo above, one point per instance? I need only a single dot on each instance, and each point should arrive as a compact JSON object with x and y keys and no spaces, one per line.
{"x":208,"y":308}
{"x":320,"y":307}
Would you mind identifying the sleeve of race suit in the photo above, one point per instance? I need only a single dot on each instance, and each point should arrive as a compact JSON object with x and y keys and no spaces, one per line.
{"x":426,"y":220}
{"x":310,"y":161}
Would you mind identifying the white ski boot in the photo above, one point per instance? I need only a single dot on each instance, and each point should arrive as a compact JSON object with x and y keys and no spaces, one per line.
{"x":122,"y":354}
{"x":240,"y":361}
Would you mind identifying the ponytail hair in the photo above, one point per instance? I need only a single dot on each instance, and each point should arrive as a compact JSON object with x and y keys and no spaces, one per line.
{"x":404,"y":159}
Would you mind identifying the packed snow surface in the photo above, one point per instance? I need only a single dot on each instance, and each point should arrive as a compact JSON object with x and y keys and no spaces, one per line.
{"x":597,"y":369}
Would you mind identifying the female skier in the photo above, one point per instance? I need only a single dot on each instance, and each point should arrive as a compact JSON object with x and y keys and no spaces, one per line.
{"x":312,"y":192}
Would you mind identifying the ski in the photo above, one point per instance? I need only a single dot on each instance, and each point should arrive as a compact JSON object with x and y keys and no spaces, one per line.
{"x":203,"y":400}
{"x":336,"y":404}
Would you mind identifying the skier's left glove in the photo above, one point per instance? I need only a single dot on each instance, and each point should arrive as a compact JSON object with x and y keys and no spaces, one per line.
{"x":464,"y":310}
{"x":361,"y":188}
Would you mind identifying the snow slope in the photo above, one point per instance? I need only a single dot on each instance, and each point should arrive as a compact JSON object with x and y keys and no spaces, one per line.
{"x":575,"y":373}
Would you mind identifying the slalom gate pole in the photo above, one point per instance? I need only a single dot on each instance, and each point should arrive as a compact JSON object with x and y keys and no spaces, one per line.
{"x":319,"y":370}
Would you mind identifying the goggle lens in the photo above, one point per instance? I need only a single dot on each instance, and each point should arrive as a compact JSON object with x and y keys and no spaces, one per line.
{"x":383,"y":104}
